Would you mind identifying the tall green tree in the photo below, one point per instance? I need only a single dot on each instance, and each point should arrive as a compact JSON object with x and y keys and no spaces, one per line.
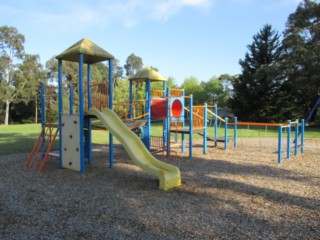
{"x":121,"y":91}
{"x":171,"y":82}
{"x":70,"y":72}
{"x":12,"y":51}
{"x":133,"y":65}
{"x":258,"y":86}
{"x":214,"y":92}
{"x":227,"y":81}
{"x":27,"y":77}
{"x":301,"y":45}
{"x":117,"y":71}
{"x":192,"y":86}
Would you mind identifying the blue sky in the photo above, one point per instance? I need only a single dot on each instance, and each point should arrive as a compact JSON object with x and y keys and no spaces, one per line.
{"x":182,"y":38}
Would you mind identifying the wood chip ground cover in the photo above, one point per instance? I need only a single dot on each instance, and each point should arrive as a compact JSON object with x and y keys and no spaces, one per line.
{"x":233,"y":194}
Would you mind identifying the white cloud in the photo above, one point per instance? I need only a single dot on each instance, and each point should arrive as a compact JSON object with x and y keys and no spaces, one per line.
{"x":243,"y":2}
{"x":163,"y":10}
{"x":131,"y":12}
{"x":196,"y":2}
{"x":281,"y":3}
{"x":82,"y":14}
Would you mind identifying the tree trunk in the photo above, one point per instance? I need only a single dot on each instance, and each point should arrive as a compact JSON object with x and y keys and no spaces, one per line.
{"x":6,"y":118}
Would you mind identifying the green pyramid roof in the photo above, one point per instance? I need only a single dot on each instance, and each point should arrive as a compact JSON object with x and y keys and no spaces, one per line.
{"x":147,"y":73}
{"x":92,"y":53}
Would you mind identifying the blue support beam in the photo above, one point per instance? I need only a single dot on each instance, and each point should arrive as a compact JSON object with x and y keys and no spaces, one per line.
{"x":183,"y":123}
{"x":110,"y":107}
{"x":235,"y":133}
{"x":88,"y":132}
{"x":43,"y":116}
{"x":130,"y":99}
{"x":191,"y":127}
{"x":89,"y":102}
{"x":166,"y":130}
{"x":279,"y":144}
{"x":296,"y":135}
{"x":205,"y":130}
{"x":70,"y":99}
{"x":43,"y":104}
{"x":226,"y":133}
{"x":60,"y":108}
{"x":302,"y":135}
{"x":81,"y":114}
{"x":164,"y":87}
{"x":148,"y":111}
{"x":215,"y":122}
{"x":289,"y":140}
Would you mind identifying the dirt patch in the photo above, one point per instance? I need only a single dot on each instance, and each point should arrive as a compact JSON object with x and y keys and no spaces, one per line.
{"x":238,"y":193}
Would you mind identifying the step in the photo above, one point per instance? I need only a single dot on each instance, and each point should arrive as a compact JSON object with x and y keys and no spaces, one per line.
{"x":54,"y":154}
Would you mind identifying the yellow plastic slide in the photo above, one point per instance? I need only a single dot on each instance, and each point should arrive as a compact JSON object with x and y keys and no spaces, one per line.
{"x":169,"y":176}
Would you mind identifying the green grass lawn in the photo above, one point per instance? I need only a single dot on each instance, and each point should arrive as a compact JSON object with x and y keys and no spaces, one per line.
{"x":21,"y":138}
{"x":18,"y":138}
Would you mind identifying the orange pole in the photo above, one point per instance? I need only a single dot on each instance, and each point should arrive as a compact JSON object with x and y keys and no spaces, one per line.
{"x":256,"y":124}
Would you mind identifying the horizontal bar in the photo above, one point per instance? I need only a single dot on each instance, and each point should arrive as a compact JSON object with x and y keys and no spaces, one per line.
{"x":255,"y":124}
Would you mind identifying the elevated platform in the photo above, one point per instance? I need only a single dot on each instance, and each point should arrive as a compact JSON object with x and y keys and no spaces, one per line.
{"x":185,"y":130}
{"x":214,"y":139}
{"x":135,"y":123}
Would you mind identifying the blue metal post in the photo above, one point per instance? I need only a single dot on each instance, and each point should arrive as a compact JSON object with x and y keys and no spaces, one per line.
{"x":169,"y":111}
{"x":302,"y":135}
{"x":167,"y":123}
{"x":191,"y":127}
{"x":279,"y":144}
{"x":88,"y":132}
{"x":296,"y":134}
{"x":205,"y":130}
{"x":235,"y":132}
{"x":70,"y":99}
{"x":43,"y":117}
{"x":165,"y":130}
{"x":164,"y":87}
{"x":81,"y":114}
{"x":183,"y":123}
{"x":89,"y":86}
{"x":215,"y":122}
{"x":148,"y":111}
{"x":226,"y":133}
{"x":60,"y":110}
{"x":43,"y":104}
{"x":289,"y":139}
{"x":110,"y":107}
{"x":130,"y":99}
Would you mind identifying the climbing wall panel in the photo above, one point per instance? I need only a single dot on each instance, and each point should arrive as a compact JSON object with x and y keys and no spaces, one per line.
{"x":71,"y":142}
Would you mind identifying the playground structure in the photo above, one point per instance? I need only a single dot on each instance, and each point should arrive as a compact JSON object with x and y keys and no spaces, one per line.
{"x":75,"y":126}
{"x":88,"y":100}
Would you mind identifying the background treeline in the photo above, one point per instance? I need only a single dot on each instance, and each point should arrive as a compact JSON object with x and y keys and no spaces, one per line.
{"x":279,"y":80}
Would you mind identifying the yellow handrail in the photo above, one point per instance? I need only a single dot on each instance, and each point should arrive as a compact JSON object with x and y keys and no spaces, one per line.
{"x":194,"y":113}
{"x":220,"y":118}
